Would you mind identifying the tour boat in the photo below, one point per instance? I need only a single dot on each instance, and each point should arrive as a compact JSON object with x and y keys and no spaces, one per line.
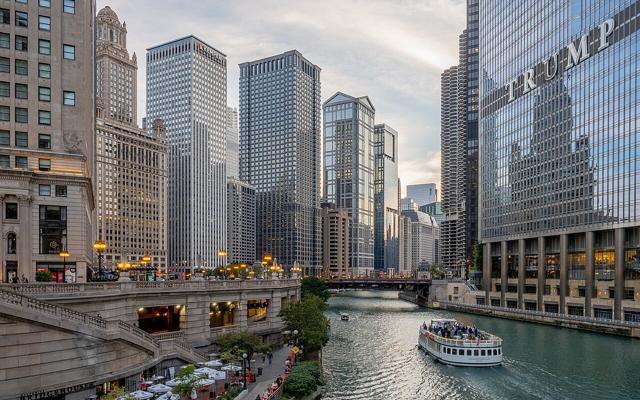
{"x":453,"y":343}
{"x":344,"y":316}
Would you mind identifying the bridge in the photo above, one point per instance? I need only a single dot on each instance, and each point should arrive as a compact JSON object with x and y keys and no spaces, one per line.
{"x":64,"y":338}
{"x":411,"y":289}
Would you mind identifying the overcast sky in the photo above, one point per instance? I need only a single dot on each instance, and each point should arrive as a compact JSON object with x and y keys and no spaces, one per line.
{"x":391,"y":50}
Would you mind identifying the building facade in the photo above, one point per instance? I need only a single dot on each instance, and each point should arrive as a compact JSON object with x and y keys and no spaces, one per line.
{"x":187,"y":89}
{"x":459,"y":143}
{"x":280,"y":156}
{"x":434,"y":209}
{"x":386,"y":253}
{"x":421,"y":241}
{"x":405,"y":245}
{"x":423,"y":193}
{"x":559,"y":144}
{"x":407,"y":203}
{"x":131,"y":165}
{"x":46,"y":139}
{"x":241,"y":223}
{"x":336,"y":231}
{"x":349,"y":171}
{"x":233,"y":160}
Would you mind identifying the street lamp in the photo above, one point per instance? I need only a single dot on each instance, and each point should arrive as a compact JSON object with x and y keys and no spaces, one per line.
{"x":64,"y":254}
{"x":244,"y":369}
{"x":100,"y":246}
{"x":223,"y":253}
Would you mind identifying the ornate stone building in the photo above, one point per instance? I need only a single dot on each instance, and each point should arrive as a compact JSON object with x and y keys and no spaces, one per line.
{"x":131,"y":166}
{"x":46,"y":138}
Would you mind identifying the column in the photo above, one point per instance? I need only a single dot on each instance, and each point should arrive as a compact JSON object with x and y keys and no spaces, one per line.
{"x":503,"y":273}
{"x":588,"y":273}
{"x":618,"y":277}
{"x":3,"y":244}
{"x":564,"y":265}
{"x":242,"y":312}
{"x":486,"y":272}
{"x":25,"y":234}
{"x":521,"y":261}
{"x":541,"y":271}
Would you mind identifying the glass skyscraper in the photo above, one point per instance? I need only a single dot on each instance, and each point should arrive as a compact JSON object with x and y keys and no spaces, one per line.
{"x":187,"y":89}
{"x":280,"y":156}
{"x":386,"y":252}
{"x":348,"y":171}
{"x":560,"y":187}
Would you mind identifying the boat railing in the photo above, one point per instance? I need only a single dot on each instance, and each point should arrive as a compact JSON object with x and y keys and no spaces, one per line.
{"x":493,"y":342}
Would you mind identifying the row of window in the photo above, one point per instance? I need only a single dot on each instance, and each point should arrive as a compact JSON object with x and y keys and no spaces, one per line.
{"x":21,"y":162}
{"x":44,"y":45}
{"x":11,"y":209}
{"x":44,"y":22}
{"x":469,"y":353}
{"x":44,"y":93}
{"x":22,"y":68}
{"x":22,"y":139}
{"x":22,"y":115}
{"x":68,"y":6}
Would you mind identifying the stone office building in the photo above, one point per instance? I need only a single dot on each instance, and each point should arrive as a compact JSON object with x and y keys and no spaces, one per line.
{"x":46,"y":138}
{"x":559,"y":146}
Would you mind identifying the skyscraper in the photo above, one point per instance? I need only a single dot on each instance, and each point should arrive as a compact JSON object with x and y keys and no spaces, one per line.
{"x":336,"y":231}
{"x":423,"y":193}
{"x":348,"y":170}
{"x":421,"y":241}
{"x":131,"y":165}
{"x":233,"y":162}
{"x":47,"y":136}
{"x":459,"y":138}
{"x":241,"y":222}
{"x":280,"y":156}
{"x":559,"y":151}
{"x":386,"y":199}
{"x":187,"y":89}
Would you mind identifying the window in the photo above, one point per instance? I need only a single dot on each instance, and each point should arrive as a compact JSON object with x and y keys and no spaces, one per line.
{"x":4,"y":89}
{"x":53,"y":229}
{"x":5,"y":16}
{"x":627,"y":293}
{"x":44,"y":47}
{"x":4,"y":161}
{"x":21,"y":43}
{"x":483,"y":353}
{"x":22,"y":19}
{"x":44,"y":190}
{"x":22,"y":1}
{"x":22,"y":162}
{"x":44,"y":70}
{"x":11,"y":243}
{"x":45,"y":3}
{"x":44,"y":141}
{"x":22,"y":139}
{"x":5,"y":40}
{"x":69,"y":52}
{"x":475,"y":353}
{"x":69,"y":98}
{"x":5,"y":65}
{"x":455,"y":352}
{"x":22,"y":67}
{"x":22,"y":115}
{"x":44,"y":164}
{"x":22,"y":91}
{"x":69,"y":6}
{"x":61,"y":190}
{"x":44,"y":93}
{"x":11,"y":210}
{"x":44,"y":23}
{"x":4,"y":113}
{"x":5,"y":139}
{"x":44,"y":117}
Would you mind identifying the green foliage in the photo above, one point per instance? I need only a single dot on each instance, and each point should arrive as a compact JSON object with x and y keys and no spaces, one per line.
{"x":231,"y":394}
{"x":43,"y":276}
{"x":476,"y":253}
{"x":232,"y":345}
{"x":312,"y":285}
{"x":257,"y":271}
{"x":117,"y":394}
{"x":436,"y":271}
{"x":303,"y":379}
{"x":307,"y":317}
{"x":188,"y":379}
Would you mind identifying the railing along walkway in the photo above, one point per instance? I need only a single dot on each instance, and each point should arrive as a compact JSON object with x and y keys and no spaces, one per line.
{"x":566,"y":317}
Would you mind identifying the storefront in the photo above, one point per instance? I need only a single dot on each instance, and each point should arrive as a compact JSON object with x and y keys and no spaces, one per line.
{"x":61,"y":272}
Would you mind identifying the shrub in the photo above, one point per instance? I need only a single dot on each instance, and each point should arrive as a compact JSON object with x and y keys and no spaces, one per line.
{"x":312,"y":285}
{"x":43,"y":276}
{"x":303,"y":379}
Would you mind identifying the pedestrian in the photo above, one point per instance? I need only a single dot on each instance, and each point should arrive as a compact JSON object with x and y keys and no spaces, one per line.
{"x":270,"y":357}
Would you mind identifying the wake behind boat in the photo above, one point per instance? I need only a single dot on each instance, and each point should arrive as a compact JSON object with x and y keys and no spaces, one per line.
{"x":453,"y":343}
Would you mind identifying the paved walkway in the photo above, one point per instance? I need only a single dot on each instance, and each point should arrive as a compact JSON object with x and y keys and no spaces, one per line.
{"x":269,"y":372}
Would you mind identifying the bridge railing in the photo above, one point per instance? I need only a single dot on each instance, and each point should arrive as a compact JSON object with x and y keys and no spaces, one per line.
{"x":566,"y":317}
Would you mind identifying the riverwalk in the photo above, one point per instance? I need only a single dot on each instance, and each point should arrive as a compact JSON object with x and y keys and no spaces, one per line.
{"x":269,"y":373}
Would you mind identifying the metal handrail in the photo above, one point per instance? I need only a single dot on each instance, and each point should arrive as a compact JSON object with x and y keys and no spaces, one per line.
{"x":567,"y":317}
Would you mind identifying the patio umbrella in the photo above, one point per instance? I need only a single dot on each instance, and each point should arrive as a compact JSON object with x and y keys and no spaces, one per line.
{"x":206,"y":371}
{"x":173,"y":382}
{"x":141,"y":395}
{"x":233,"y":368}
{"x":169,"y":396}
{"x":205,"y":382}
{"x":159,"y":388}
{"x":213,"y":363}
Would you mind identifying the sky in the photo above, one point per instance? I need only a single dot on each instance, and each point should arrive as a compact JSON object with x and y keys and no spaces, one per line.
{"x":390,"y":50}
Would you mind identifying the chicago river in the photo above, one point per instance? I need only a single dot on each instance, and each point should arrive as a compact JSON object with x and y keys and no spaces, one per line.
{"x":374,"y":356}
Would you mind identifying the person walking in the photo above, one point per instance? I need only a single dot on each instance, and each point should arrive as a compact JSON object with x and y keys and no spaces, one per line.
{"x":270,"y":357}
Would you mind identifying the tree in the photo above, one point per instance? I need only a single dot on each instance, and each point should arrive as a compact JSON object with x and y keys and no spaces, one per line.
{"x":303,"y":379}
{"x":44,"y":276}
{"x":312,"y":285}
{"x":232,"y":345}
{"x":188,"y":381}
{"x":436,"y":271}
{"x":476,"y":253}
{"x":307,"y":317}
{"x":257,"y":271}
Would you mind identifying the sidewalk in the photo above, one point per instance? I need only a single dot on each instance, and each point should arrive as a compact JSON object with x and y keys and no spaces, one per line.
{"x":269,"y":372}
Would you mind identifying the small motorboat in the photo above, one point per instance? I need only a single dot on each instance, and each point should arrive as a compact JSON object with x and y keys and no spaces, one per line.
{"x":344,"y":316}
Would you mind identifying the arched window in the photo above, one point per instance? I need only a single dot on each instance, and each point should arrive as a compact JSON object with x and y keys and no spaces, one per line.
{"x":11,"y":243}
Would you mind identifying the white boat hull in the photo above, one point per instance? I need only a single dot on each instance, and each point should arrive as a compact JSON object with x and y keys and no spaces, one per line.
{"x":461,"y":354}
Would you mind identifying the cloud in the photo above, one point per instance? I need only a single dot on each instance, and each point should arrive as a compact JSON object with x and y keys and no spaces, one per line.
{"x":391,"y":50}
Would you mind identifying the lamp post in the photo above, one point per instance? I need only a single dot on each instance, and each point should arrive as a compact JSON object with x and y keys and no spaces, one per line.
{"x":244,"y":369}
{"x":64,"y":254}
{"x":223,"y":253}
{"x":144,"y":261}
{"x":100,"y":246}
